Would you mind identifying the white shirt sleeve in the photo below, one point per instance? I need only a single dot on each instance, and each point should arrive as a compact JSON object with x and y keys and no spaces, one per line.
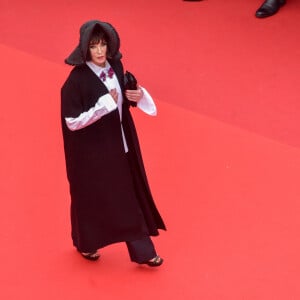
{"x":146,"y":104}
{"x":103,"y":106}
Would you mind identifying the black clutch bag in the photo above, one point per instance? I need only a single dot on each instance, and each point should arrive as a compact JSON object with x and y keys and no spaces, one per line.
{"x":130,"y":82}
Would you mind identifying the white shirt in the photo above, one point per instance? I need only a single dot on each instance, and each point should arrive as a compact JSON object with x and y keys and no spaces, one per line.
{"x":106,"y":103}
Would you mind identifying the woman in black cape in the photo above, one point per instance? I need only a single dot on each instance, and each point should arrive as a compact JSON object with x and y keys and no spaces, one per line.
{"x":110,"y":196}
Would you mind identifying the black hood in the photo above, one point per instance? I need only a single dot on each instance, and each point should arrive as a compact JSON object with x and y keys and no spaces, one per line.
{"x":78,"y":56}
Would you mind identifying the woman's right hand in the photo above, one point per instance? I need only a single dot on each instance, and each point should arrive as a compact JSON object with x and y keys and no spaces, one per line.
{"x":114,"y":94}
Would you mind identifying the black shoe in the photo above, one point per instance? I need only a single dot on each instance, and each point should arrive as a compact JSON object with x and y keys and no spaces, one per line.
{"x":269,"y":8}
{"x":155,"y":262}
{"x":91,"y":256}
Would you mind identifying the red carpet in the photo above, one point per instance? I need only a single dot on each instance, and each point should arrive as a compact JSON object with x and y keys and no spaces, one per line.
{"x":222,"y":155}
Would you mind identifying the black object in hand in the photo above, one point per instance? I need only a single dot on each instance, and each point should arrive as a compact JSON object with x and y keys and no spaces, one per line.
{"x":130,"y":81}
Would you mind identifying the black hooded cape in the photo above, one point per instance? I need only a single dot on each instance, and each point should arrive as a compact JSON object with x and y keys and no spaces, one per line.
{"x":110,"y":196}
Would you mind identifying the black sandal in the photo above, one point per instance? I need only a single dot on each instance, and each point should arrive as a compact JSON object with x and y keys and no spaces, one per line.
{"x":155,"y":262}
{"x":91,"y":256}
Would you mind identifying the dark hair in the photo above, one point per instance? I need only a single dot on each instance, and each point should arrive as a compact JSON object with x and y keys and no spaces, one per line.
{"x":97,"y":36}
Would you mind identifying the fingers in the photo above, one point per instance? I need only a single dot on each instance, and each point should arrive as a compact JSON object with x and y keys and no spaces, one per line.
{"x":134,"y":95}
{"x":114,"y":94}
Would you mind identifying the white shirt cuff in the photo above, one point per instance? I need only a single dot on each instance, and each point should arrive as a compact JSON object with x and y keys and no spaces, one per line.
{"x":108,"y":102}
{"x":146,"y":104}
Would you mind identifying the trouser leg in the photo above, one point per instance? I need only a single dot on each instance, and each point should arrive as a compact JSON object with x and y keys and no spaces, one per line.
{"x":142,"y":250}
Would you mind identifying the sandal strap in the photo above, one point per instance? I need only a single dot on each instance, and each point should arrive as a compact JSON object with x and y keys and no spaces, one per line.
{"x":91,"y":256}
{"x":157,"y":259}
{"x":155,"y":262}
{"x":94,"y":254}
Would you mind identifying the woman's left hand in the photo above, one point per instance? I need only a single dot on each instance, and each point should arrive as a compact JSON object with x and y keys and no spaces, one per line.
{"x":134,"y":95}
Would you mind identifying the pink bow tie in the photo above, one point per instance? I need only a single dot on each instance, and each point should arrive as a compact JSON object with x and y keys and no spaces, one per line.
{"x":110,"y":73}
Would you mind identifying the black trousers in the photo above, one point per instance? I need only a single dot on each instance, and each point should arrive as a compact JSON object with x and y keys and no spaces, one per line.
{"x":142,"y":250}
